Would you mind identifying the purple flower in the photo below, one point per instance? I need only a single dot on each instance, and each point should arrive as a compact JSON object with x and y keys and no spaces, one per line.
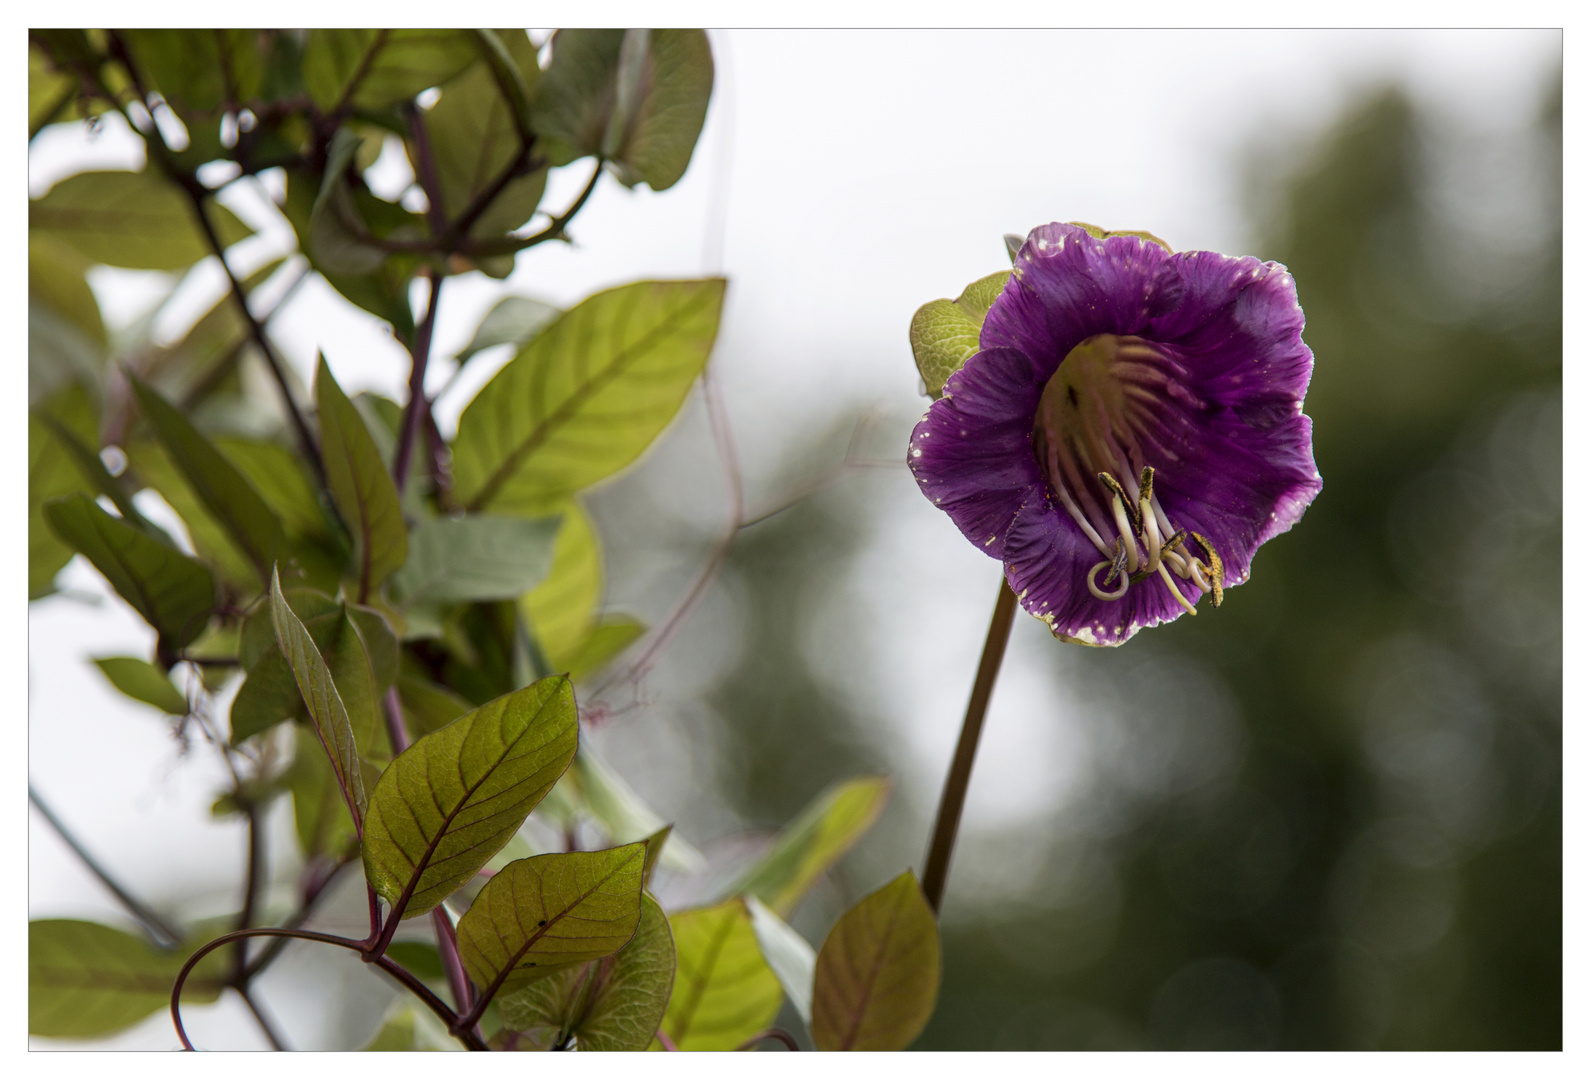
{"x":1129,"y":432}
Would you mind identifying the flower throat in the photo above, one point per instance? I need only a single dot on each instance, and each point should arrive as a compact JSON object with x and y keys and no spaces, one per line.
{"x":1088,"y":435}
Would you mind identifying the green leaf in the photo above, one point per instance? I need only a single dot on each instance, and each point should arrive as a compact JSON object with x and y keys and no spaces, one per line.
{"x":51,"y":474}
{"x":87,"y":980}
{"x":420,"y":957}
{"x":587,"y":396}
{"x":92,"y":468}
{"x":198,"y":70}
{"x":338,"y":234}
{"x":624,"y":814}
{"x":474,"y":138}
{"x":371,"y":69}
{"x":428,"y":707}
{"x":513,"y":320}
{"x":326,"y":709}
{"x":816,"y":840}
{"x":944,"y":333}
{"x":408,"y":1029}
{"x":137,"y":220}
{"x":143,"y":681}
{"x":280,"y":478}
{"x":724,"y":991}
{"x":363,"y":491}
{"x":150,"y":465}
{"x":215,"y":480}
{"x":877,"y":974}
{"x":560,"y":611}
{"x":320,"y":816}
{"x":1105,"y":234}
{"x":56,"y":279}
{"x":48,"y":90}
{"x":606,"y":641}
{"x":173,"y":592}
{"x":787,"y":953}
{"x":454,"y":798}
{"x":636,"y":97}
{"x":475,"y":558}
{"x":612,"y":1004}
{"x":546,"y":912}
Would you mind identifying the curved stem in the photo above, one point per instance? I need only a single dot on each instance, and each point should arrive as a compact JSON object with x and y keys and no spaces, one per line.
{"x":772,"y":1033}
{"x":385,"y":963}
{"x":956,"y":783}
{"x":239,"y":935}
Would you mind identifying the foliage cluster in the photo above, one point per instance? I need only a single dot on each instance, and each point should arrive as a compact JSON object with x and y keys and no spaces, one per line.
{"x":409,"y":616}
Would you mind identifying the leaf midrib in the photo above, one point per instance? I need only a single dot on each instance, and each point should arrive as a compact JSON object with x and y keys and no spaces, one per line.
{"x":564,"y":412}
{"x":872,"y":977}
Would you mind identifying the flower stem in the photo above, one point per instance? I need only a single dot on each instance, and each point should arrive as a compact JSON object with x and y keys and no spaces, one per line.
{"x":955,"y":793}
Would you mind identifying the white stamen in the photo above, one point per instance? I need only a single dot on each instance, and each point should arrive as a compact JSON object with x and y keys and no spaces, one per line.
{"x":1176,"y":592}
{"x":1095,"y":589}
{"x":1178,"y":564}
{"x":1151,"y":534}
{"x":1120,"y":511}
{"x":1198,"y":575}
{"x":1072,"y":507}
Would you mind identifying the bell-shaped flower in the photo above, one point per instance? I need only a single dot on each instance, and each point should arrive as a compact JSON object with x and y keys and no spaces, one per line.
{"x":1129,"y":430}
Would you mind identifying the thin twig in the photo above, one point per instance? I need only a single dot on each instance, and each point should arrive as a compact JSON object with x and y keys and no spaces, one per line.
{"x":954,"y":798}
{"x":415,"y":409}
{"x":272,"y":1036}
{"x":159,"y":928}
{"x":253,"y":878}
{"x":724,"y":440}
{"x":312,"y":896}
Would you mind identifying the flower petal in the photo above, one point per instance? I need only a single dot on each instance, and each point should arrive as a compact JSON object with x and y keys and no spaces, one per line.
{"x":972,"y":453}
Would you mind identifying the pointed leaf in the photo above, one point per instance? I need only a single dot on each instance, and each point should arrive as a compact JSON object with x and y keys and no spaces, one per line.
{"x":326,"y":709}
{"x":637,"y":97}
{"x":513,"y":320}
{"x":587,"y":396}
{"x":603,"y":644}
{"x":474,"y":138}
{"x":143,"y":681}
{"x":215,"y":480}
{"x":475,"y":558}
{"x":149,"y":465}
{"x":56,"y":278}
{"x":787,"y":953}
{"x":453,"y":799}
{"x":98,"y":477}
{"x":51,"y":474}
{"x":562,"y":609}
{"x":320,"y":816}
{"x":87,"y":980}
{"x":428,"y":707}
{"x":945,"y":332}
{"x":173,"y":593}
{"x":279,"y":476}
{"x":625,"y":814}
{"x":370,"y":69}
{"x":550,"y":911}
{"x":724,"y":991}
{"x":137,"y":220}
{"x":611,"y":1004}
{"x":365,"y":495}
{"x":878,"y":972}
{"x":812,"y":843}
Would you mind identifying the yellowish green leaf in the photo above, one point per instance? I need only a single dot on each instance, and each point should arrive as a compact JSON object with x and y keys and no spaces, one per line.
{"x":877,"y":975}
{"x":143,"y":681}
{"x":137,"y":220}
{"x":944,"y":333}
{"x":816,"y":840}
{"x":724,"y":991}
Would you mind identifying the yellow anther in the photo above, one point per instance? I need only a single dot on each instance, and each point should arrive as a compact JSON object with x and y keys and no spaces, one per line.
{"x":1216,"y":573}
{"x":1130,"y":504}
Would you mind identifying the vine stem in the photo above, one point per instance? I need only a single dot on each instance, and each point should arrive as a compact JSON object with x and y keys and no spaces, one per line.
{"x":772,"y":1033}
{"x":954,"y":797}
{"x":416,"y":408}
{"x":385,"y":963}
{"x":158,"y":928}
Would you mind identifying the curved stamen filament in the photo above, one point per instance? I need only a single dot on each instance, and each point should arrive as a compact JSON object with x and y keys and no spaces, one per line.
{"x":1118,"y":569}
{"x":1176,"y":592}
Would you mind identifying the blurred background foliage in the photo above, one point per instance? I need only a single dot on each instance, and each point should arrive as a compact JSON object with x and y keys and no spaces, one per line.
{"x":1330,"y":816}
